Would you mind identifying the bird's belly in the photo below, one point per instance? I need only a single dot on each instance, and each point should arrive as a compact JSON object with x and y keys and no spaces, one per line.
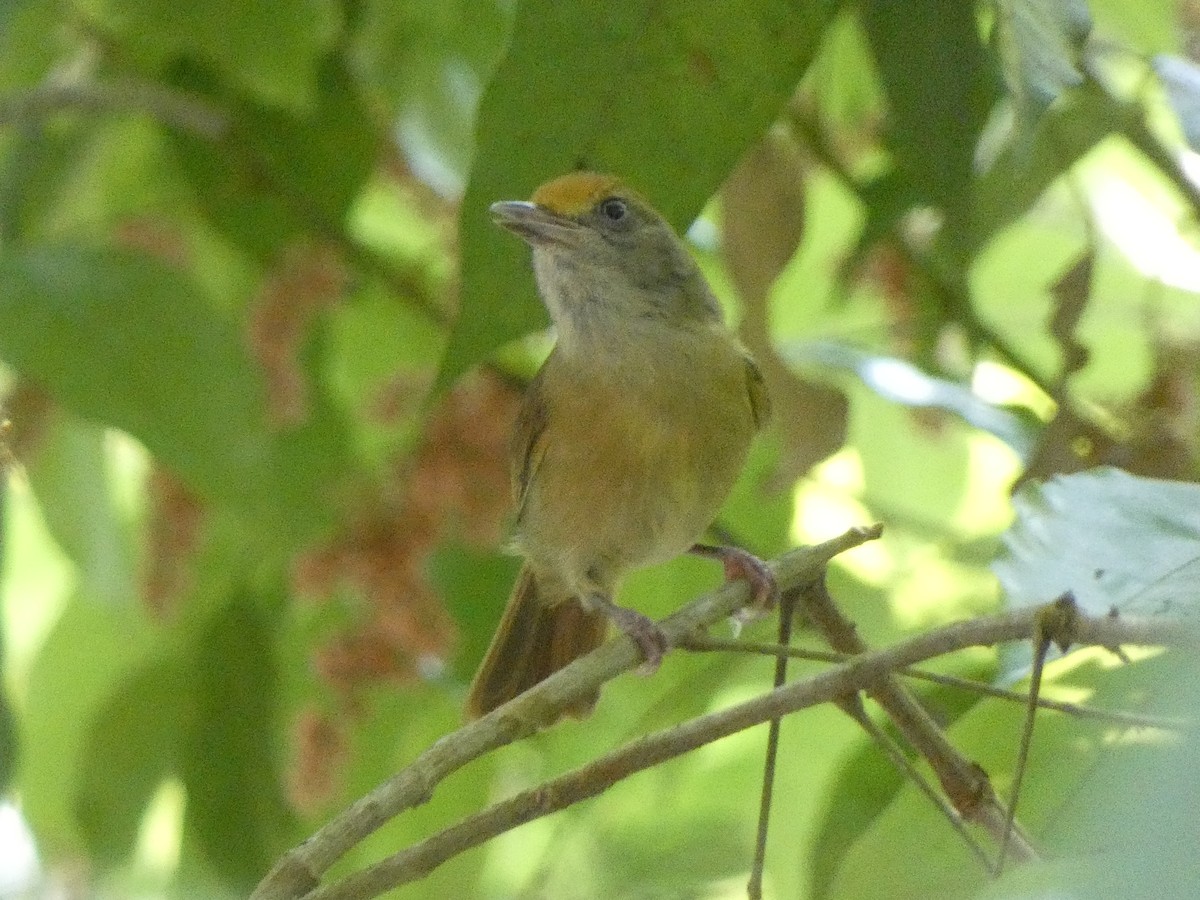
{"x":622,"y":486}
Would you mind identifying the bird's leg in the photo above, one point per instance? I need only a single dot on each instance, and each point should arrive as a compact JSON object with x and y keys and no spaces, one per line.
{"x":738,"y":563}
{"x":641,"y":629}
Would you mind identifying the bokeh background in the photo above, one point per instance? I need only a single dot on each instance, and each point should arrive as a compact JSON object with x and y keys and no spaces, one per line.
{"x":261,"y":349}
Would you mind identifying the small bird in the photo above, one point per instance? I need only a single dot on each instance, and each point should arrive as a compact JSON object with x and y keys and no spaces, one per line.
{"x":630,"y":436}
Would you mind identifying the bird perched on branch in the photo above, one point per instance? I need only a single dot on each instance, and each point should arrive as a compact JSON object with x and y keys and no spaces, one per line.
{"x":630,"y":436}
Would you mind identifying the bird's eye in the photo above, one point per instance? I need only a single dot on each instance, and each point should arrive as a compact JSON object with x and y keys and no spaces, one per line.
{"x":614,"y":209}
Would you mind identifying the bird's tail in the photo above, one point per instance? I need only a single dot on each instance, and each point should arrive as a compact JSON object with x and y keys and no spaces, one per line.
{"x":541,"y":631}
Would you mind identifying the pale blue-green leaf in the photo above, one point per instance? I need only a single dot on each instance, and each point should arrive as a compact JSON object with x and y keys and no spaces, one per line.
{"x":902,"y":382}
{"x":1181,"y":78}
{"x":1113,"y":540}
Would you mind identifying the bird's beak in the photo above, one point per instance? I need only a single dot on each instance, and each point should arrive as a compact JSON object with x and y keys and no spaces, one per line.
{"x":534,"y":224}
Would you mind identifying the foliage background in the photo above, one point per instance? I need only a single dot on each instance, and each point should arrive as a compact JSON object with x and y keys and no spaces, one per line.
{"x":262,"y":349}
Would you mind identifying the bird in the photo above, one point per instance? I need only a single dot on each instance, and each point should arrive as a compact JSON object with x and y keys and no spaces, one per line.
{"x":629,"y":438}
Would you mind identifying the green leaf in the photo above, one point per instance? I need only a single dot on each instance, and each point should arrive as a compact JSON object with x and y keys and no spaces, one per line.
{"x":646,"y":89}
{"x":430,"y":61}
{"x":131,"y":747}
{"x":91,"y":651}
{"x":70,"y":476}
{"x":920,"y":855}
{"x":271,"y":51}
{"x":1039,"y":43}
{"x":1114,"y":540}
{"x":281,"y":172}
{"x":126,"y":341}
{"x":236,"y":812}
{"x":940,"y":88}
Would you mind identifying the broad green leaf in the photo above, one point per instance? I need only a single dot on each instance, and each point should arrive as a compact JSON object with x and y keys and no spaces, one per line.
{"x":1113,"y":540}
{"x":1039,"y":43}
{"x":90,"y":653}
{"x":271,"y":51}
{"x":282,"y":172}
{"x":666,"y":94}
{"x":126,"y":341}
{"x":236,"y":813}
{"x":939,"y":87}
{"x":132,"y":745}
{"x":70,"y":477}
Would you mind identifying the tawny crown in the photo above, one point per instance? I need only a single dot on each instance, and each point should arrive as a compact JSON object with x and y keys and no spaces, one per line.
{"x":576,"y":193}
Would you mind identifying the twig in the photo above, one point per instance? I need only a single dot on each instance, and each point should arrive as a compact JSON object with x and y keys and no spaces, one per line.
{"x":300,"y":869}
{"x":706,"y":644}
{"x":860,"y":673}
{"x":895,"y":753}
{"x":965,"y":783}
{"x":787,"y":616}
{"x":164,"y":104}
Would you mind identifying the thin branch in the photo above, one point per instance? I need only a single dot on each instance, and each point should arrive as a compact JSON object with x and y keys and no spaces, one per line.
{"x":706,"y":644}
{"x":904,"y":765}
{"x":163,"y":104}
{"x":966,"y":784}
{"x":857,"y":674}
{"x":787,"y":618}
{"x":301,"y":868}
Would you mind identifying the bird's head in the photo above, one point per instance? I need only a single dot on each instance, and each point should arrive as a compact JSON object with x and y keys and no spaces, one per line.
{"x":600,"y":249}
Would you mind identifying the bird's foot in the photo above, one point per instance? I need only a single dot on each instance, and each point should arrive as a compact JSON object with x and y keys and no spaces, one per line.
{"x":738,"y":563}
{"x":641,"y":629}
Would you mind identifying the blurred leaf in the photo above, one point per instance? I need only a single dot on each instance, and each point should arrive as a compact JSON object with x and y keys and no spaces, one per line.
{"x":70,"y":477}
{"x":1115,"y":541}
{"x":1181,"y":78}
{"x":269,"y":50}
{"x":236,"y":812}
{"x":1039,"y":43}
{"x":28,"y":47}
{"x":126,"y":341}
{"x":91,"y":651}
{"x":131,"y":747}
{"x":431,"y":62}
{"x":1019,"y":175}
{"x":901,"y":382}
{"x":763,"y":209}
{"x":940,"y":89}
{"x":9,"y":743}
{"x":1132,"y":835}
{"x":282,"y":171}
{"x":1071,"y":294}
{"x":475,"y":587}
{"x":1150,"y":26}
{"x":646,"y":89}
{"x":910,"y":850}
